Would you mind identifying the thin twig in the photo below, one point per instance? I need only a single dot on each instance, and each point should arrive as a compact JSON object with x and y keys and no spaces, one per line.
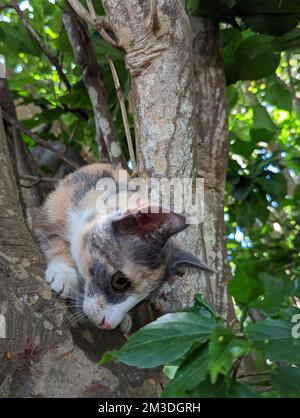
{"x":36,"y":180}
{"x":90,"y":17}
{"x":37,"y":38}
{"x":91,"y":9}
{"x":39,"y":140}
{"x":120,"y":96}
{"x":40,"y":178}
{"x":245,"y":376}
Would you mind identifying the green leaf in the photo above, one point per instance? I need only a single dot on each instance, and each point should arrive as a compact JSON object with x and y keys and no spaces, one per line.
{"x":245,"y":7}
{"x":223,"y":350}
{"x":274,"y":336}
{"x":279,"y":96}
{"x":263,"y":127}
{"x":245,"y":288}
{"x":273,"y":24}
{"x":242,"y":189}
{"x":240,"y":390}
{"x":223,"y":388}
{"x":165,"y":340}
{"x":232,"y":97}
{"x":286,"y":381}
{"x":202,"y":307}
{"x":17,"y":39}
{"x":275,"y":292}
{"x":102,"y":48}
{"x":241,"y":147}
{"x":254,"y":58}
{"x":273,"y":184}
{"x":191,"y":372}
{"x":290,"y":40}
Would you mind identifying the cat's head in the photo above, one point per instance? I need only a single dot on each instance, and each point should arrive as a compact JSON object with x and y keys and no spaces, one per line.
{"x":123,"y":258}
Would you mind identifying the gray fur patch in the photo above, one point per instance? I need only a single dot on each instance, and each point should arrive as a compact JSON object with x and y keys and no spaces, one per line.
{"x":101,"y":285}
{"x":85,"y":182}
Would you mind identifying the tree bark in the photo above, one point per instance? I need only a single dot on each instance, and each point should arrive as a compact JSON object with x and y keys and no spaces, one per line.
{"x":158,"y":39}
{"x":40,"y":355}
{"x":212,"y":153}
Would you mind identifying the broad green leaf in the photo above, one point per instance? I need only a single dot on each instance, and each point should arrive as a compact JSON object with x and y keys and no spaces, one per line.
{"x":274,"y":336}
{"x":165,"y":340}
{"x":273,"y":24}
{"x":191,"y":372}
{"x":290,"y":40}
{"x":254,"y":58}
{"x":202,"y":307}
{"x":263,"y":127}
{"x":242,"y":188}
{"x":275,"y":184}
{"x":286,"y":381}
{"x":244,"y":287}
{"x":224,"y":349}
{"x":232,"y":97}
{"x":223,"y":388}
{"x":279,"y":95}
{"x":18,"y":40}
{"x":267,"y":6}
{"x":275,"y":292}
{"x":240,"y":390}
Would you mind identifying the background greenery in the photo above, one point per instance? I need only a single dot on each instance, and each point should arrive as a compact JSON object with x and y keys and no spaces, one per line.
{"x":261,"y":44}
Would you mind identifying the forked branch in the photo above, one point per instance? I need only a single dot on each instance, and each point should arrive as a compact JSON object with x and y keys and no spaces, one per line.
{"x":90,"y":17}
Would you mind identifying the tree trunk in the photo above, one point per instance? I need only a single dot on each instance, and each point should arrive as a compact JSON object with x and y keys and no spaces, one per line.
{"x":42,"y":356}
{"x":212,"y":153}
{"x":158,"y":39}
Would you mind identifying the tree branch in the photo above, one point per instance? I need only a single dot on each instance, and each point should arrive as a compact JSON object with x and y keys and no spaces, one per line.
{"x":37,"y":180}
{"x":85,"y":56}
{"x":120,"y":96}
{"x":89,"y":16}
{"x":37,"y":38}
{"x":39,"y":140}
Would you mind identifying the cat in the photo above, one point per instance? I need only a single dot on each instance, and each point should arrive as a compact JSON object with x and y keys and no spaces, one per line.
{"x":109,"y":262}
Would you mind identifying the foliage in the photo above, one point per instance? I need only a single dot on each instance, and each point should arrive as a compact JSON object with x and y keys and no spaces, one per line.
{"x":58,"y":114}
{"x":261,"y":48}
{"x":202,"y":355}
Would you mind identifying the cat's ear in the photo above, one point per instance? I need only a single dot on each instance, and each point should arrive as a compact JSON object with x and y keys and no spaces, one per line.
{"x":182,"y":260}
{"x":150,"y":223}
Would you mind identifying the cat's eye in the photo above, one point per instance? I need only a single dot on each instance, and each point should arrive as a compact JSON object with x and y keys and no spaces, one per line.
{"x":120,"y":282}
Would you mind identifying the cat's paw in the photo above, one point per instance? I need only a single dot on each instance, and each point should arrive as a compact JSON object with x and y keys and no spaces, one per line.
{"x":126,"y":324}
{"x":61,"y":278}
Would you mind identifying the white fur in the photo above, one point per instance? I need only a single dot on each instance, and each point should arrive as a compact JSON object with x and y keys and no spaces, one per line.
{"x":61,"y":277}
{"x":77,"y":221}
{"x":113,"y":314}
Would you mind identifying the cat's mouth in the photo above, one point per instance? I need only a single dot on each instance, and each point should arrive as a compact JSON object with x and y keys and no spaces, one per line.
{"x":104,"y":325}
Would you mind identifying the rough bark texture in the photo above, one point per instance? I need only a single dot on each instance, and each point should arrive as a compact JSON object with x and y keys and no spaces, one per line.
{"x":109,"y":148}
{"x":40,"y":355}
{"x":212,"y":153}
{"x":157,"y":37}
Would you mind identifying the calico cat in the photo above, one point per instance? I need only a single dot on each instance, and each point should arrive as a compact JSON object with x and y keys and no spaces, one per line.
{"x":115,"y":260}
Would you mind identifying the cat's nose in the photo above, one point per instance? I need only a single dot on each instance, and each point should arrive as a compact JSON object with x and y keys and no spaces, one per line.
{"x":104,"y":325}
